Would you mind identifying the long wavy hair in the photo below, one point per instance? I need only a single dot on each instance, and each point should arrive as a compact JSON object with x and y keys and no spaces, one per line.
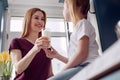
{"x":74,"y":5}
{"x":27,"y":21}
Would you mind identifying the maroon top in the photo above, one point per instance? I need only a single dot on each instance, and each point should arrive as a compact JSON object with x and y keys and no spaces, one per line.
{"x":38,"y":68}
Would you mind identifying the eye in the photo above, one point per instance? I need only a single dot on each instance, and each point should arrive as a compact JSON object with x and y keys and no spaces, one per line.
{"x":37,"y":18}
{"x":42,"y":19}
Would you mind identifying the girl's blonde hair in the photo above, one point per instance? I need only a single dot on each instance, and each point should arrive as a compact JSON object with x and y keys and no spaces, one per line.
{"x":27,"y":21}
{"x":75,"y":5}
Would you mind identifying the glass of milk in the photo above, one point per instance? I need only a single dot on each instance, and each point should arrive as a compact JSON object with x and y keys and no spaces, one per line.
{"x":46,"y":33}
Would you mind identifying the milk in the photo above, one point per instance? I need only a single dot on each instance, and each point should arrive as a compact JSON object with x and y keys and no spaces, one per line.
{"x":46,"y":32}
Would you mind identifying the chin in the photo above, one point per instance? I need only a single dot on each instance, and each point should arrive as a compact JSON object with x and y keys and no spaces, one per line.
{"x":67,"y":20}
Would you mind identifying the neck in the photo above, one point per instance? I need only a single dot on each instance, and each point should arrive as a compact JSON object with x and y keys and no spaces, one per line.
{"x":32,"y":37}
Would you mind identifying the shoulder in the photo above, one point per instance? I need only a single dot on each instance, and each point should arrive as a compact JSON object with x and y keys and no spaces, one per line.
{"x":15,"y":40}
{"x":84,"y":23}
{"x":15,"y":43}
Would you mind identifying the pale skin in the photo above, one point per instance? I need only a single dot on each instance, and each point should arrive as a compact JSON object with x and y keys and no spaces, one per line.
{"x":21,"y":64}
{"x":82,"y":46}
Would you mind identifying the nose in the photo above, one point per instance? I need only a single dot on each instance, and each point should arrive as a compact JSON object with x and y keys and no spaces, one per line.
{"x":41,"y":22}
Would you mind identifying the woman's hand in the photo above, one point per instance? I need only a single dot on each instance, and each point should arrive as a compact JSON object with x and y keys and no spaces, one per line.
{"x":41,"y":43}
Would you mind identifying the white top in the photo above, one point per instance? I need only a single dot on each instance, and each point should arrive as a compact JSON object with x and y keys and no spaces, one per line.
{"x":82,"y":28}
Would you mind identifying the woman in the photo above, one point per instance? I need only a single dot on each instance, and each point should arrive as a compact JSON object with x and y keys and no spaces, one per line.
{"x":27,"y":52}
{"x":83,"y":48}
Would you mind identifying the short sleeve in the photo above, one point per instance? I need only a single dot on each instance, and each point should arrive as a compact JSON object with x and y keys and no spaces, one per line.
{"x":84,"y":29}
{"x":14,"y":44}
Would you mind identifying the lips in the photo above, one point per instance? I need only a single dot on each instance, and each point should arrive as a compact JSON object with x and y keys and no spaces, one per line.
{"x":38,"y":25}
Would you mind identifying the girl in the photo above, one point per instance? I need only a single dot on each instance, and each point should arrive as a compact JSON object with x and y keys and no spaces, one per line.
{"x":83,"y":48}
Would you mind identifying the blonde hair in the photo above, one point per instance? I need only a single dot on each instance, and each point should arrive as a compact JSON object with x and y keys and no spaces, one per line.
{"x":75,"y":5}
{"x":27,"y":21}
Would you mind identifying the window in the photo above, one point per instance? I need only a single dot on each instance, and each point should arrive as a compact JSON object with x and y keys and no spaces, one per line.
{"x":55,"y":25}
{"x":58,"y":40}
{"x":16,"y":24}
{"x":70,"y":26}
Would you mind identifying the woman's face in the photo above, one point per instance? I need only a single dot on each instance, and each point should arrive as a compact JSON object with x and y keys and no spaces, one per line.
{"x":37,"y":21}
{"x":66,"y":12}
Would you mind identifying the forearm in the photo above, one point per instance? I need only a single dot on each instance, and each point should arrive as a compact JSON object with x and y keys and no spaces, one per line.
{"x":23,"y":63}
{"x":61,"y":58}
{"x":58,"y":56}
{"x":75,"y":61}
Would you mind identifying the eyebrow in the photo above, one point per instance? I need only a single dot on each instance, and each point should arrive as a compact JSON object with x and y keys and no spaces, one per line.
{"x":39,"y":16}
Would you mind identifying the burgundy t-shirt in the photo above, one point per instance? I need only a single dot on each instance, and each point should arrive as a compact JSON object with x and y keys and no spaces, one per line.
{"x":38,"y":68}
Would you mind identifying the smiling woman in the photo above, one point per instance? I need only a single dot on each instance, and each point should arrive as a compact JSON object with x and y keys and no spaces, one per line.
{"x":27,"y":52}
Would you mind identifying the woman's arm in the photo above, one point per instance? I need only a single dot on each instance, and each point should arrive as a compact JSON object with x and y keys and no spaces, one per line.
{"x":81,"y":54}
{"x":20,"y":63}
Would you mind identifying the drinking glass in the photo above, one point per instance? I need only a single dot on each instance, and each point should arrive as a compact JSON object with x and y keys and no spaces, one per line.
{"x":46,"y":33}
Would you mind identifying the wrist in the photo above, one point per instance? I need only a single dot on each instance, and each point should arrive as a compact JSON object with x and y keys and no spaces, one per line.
{"x":56,"y":55}
{"x":35,"y":50}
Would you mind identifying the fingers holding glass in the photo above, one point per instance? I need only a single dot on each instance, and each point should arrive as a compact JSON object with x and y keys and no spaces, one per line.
{"x":43,"y":42}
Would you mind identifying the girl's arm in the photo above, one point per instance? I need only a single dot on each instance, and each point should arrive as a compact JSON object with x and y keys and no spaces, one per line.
{"x":81,"y":54}
{"x":54,"y":54}
{"x":61,"y":58}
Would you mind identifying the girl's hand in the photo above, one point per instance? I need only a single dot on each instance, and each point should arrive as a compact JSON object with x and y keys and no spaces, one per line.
{"x":51,"y":52}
